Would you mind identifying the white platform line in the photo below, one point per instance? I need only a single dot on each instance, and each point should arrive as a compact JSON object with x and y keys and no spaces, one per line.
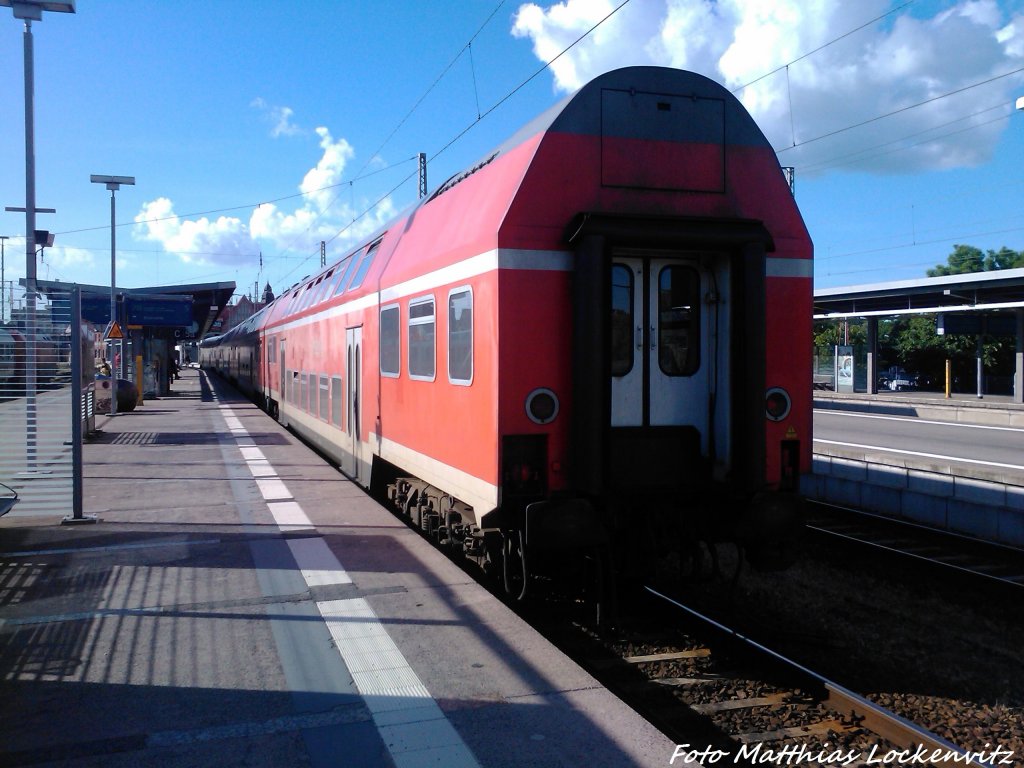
{"x":915,"y":420}
{"x":411,"y":724}
{"x":939,"y":456}
{"x":273,"y":489}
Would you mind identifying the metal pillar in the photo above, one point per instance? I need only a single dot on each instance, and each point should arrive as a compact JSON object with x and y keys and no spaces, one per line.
{"x":77,"y":407}
{"x":1018,"y":371}
{"x":872,"y":356}
{"x":981,"y":371}
{"x":31,"y":335}
{"x":423,"y":174}
{"x":113,"y":183}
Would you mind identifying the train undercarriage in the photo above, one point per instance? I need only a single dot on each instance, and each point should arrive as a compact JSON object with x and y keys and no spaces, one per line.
{"x":576,"y":549}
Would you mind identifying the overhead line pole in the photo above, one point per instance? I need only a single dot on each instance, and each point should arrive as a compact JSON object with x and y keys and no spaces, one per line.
{"x":3,"y":282}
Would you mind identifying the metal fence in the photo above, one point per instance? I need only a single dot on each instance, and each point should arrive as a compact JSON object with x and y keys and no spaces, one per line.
{"x":46,"y":403}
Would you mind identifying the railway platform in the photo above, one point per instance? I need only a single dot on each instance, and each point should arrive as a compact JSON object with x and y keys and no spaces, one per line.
{"x":947,"y":482}
{"x":240,"y":602}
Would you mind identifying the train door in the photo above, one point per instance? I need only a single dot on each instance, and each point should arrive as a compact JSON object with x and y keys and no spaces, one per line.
{"x":282,"y":394}
{"x":656,"y":378}
{"x":665,"y":357}
{"x":353,"y":428}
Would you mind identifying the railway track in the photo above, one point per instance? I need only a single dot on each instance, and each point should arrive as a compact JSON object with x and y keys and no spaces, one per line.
{"x":733,"y":700}
{"x":987,"y":563}
{"x":791,"y":714}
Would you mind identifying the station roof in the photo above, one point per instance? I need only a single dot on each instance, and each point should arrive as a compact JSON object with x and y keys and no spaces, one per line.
{"x":972,"y":292}
{"x":208,"y":299}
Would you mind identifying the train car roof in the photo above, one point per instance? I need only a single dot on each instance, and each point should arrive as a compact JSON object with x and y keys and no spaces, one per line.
{"x":590,"y":111}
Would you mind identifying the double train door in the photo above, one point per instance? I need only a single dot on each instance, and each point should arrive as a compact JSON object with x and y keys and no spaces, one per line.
{"x":663,"y":349}
{"x":352,"y":458}
{"x":282,"y":393}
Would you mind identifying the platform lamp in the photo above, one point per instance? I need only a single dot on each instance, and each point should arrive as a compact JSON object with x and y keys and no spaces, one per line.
{"x":3,"y":283}
{"x":113,"y":184}
{"x":29,"y":11}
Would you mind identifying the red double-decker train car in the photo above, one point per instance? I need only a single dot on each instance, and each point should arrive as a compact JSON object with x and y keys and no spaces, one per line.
{"x":595,"y":334}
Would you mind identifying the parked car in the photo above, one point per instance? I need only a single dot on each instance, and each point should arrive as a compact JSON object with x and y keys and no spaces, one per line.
{"x":898,"y":380}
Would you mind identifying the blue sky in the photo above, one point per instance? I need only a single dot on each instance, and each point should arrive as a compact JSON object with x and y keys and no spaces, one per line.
{"x":218,"y":107}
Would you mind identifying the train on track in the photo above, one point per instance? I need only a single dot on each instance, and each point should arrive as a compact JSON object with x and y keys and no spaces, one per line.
{"x":586,"y":347}
{"x":13,"y":357}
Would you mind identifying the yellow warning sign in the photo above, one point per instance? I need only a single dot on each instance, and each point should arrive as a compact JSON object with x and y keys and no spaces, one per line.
{"x":791,"y":434}
{"x":113,"y":331}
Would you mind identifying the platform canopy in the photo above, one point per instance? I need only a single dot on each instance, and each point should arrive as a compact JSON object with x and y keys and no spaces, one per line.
{"x":973,"y":292}
{"x":976,"y":303}
{"x":190,"y":309}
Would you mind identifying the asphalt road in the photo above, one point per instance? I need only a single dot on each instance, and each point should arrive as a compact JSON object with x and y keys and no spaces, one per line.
{"x":995,"y":448}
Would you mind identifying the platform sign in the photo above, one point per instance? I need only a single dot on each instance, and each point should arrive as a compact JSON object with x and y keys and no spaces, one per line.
{"x":96,"y":309}
{"x":844,"y":369}
{"x":973,"y":323}
{"x":169,"y":312}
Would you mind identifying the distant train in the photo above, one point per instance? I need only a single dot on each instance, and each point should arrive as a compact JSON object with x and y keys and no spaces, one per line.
{"x":13,"y":359}
{"x":593,"y":335}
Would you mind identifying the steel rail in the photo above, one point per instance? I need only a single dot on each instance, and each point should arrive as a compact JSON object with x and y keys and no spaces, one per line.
{"x":888,"y":725}
{"x":964,"y":568}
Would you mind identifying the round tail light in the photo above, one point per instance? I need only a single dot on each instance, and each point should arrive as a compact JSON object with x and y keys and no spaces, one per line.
{"x":777,"y":404}
{"x":542,"y":406}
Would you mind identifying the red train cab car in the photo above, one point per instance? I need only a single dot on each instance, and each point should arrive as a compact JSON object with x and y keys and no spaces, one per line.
{"x":587,"y":336}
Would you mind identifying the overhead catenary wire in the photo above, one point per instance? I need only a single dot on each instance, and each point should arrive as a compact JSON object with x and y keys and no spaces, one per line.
{"x":861,"y":154}
{"x":900,"y":110}
{"x":823,"y":46}
{"x":480,"y":117}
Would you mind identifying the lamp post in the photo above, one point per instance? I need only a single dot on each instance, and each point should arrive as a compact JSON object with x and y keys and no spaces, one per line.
{"x":29,"y":11}
{"x":113,"y":184}
{"x":3,"y":283}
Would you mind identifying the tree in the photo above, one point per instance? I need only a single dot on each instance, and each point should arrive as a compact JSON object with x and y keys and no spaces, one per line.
{"x":1004,"y":258}
{"x":966,"y":259}
{"x":829,"y":333}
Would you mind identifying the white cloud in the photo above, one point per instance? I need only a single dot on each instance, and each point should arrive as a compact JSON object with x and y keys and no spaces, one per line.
{"x":889,"y":65}
{"x":224,"y":240}
{"x":325,"y":210}
{"x":328,"y":172}
{"x":278,"y":117}
{"x":67,"y":257}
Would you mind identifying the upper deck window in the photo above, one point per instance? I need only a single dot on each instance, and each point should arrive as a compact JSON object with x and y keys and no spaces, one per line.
{"x":364,"y":266}
{"x":323,"y":287}
{"x":421,"y":338}
{"x":343,"y":271}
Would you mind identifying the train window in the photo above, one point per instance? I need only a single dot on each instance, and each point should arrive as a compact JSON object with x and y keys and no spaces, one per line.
{"x":336,"y":400}
{"x":364,"y":265}
{"x":460,"y":336}
{"x":294,"y":388}
{"x":678,"y":320}
{"x":325,"y":392}
{"x":622,"y":320}
{"x":271,"y":350}
{"x":343,"y":272}
{"x":304,"y":391}
{"x":324,"y":289}
{"x":390,"y":347}
{"x":307,"y":297}
{"x":421,"y":338}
